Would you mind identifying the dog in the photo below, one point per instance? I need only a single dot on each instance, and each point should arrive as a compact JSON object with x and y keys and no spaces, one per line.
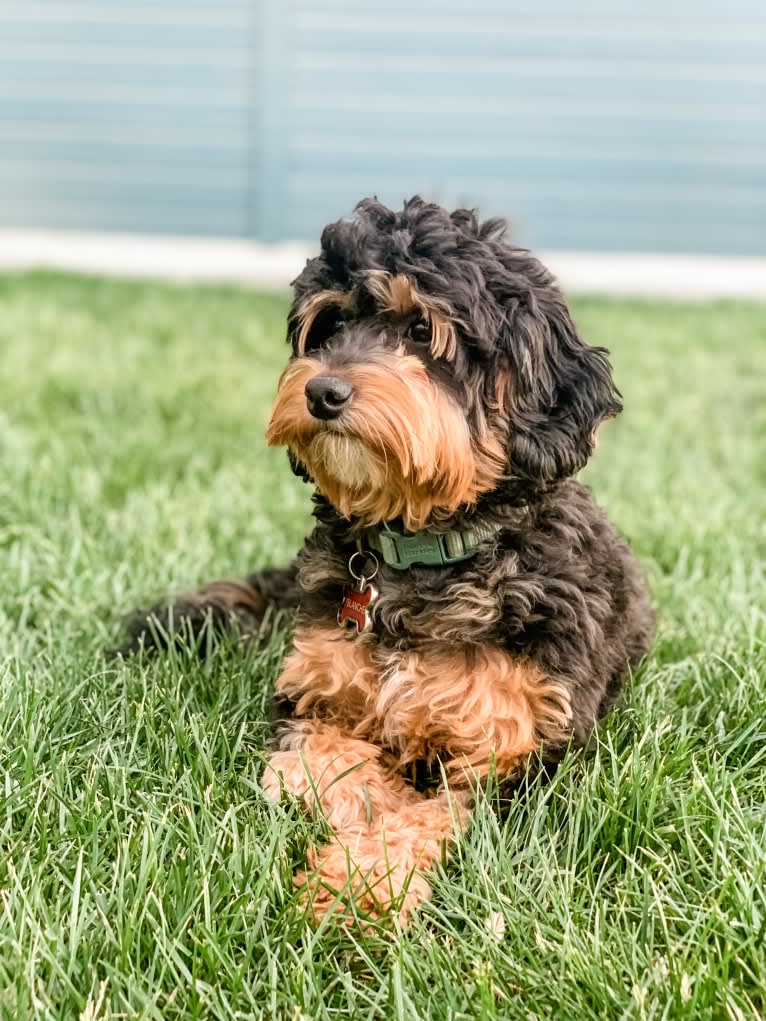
{"x":463,"y":611}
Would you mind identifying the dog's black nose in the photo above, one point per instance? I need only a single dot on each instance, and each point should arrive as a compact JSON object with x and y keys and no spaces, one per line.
{"x":326,"y":395}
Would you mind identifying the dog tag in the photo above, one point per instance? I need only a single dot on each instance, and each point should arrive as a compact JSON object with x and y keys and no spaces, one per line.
{"x":354,"y":611}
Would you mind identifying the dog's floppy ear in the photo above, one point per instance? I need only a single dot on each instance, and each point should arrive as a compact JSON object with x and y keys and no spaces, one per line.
{"x":561,"y":389}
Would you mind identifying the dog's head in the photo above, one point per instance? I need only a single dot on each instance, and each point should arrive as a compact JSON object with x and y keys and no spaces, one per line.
{"x":433,"y":363}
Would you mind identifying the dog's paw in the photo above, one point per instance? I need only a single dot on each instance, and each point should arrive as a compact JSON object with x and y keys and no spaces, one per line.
{"x":341,"y":801}
{"x":358,"y":880}
{"x":339,"y":779}
{"x":284,"y":774}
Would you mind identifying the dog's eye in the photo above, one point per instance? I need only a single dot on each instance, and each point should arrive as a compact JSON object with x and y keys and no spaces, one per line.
{"x":420,"y":332}
{"x":326,"y":324}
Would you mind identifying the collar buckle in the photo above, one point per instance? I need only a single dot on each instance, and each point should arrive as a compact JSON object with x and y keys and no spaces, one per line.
{"x":433,"y":549}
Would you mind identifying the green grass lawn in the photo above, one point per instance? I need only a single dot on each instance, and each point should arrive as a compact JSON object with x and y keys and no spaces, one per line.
{"x":142,"y":875}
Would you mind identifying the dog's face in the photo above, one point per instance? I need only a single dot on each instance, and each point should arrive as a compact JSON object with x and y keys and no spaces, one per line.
{"x":433,"y":363}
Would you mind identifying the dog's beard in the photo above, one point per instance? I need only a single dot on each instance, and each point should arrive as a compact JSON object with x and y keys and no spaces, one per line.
{"x":403,"y":447}
{"x":345,"y":459}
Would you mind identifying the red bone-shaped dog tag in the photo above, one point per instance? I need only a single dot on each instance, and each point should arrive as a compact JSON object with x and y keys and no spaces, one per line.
{"x":355,"y":609}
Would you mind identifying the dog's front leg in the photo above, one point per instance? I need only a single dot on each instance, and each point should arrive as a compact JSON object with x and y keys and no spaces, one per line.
{"x":342,"y":779}
{"x":323,"y":752}
{"x":483,"y":714}
{"x":382,"y":868}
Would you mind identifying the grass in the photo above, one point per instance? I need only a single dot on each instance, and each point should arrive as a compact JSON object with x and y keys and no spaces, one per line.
{"x":141,"y":873}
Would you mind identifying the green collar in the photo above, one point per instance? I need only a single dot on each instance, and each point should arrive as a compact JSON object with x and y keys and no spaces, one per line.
{"x":434,"y":549}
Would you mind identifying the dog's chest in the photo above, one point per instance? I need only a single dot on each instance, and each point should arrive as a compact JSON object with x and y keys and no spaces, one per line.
{"x":369,"y":690}
{"x":420,"y":704}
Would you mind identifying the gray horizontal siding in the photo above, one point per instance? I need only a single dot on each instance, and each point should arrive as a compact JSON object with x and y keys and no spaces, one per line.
{"x":127,"y":116}
{"x":603,"y":124}
{"x":592,"y":125}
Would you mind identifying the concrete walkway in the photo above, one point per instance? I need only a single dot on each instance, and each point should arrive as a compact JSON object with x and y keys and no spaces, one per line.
{"x":682,"y":277}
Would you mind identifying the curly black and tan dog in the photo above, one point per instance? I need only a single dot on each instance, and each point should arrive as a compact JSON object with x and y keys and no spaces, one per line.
{"x":462,"y":608}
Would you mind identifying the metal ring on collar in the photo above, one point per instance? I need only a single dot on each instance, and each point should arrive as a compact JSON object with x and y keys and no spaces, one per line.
{"x":366,"y":555}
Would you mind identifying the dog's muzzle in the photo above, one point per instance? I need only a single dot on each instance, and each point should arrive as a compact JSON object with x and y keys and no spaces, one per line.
{"x":326,"y":396}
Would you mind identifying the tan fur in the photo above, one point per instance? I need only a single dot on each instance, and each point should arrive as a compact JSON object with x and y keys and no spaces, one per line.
{"x":399,"y":295}
{"x":362,"y":716}
{"x":330,"y":675}
{"x":416,"y":457}
{"x":345,"y":780}
{"x":473,"y":711}
{"x":395,"y":294}
{"x":380,"y":868}
{"x":503,"y":393}
{"x":479,"y":713}
{"x":307,"y":313}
